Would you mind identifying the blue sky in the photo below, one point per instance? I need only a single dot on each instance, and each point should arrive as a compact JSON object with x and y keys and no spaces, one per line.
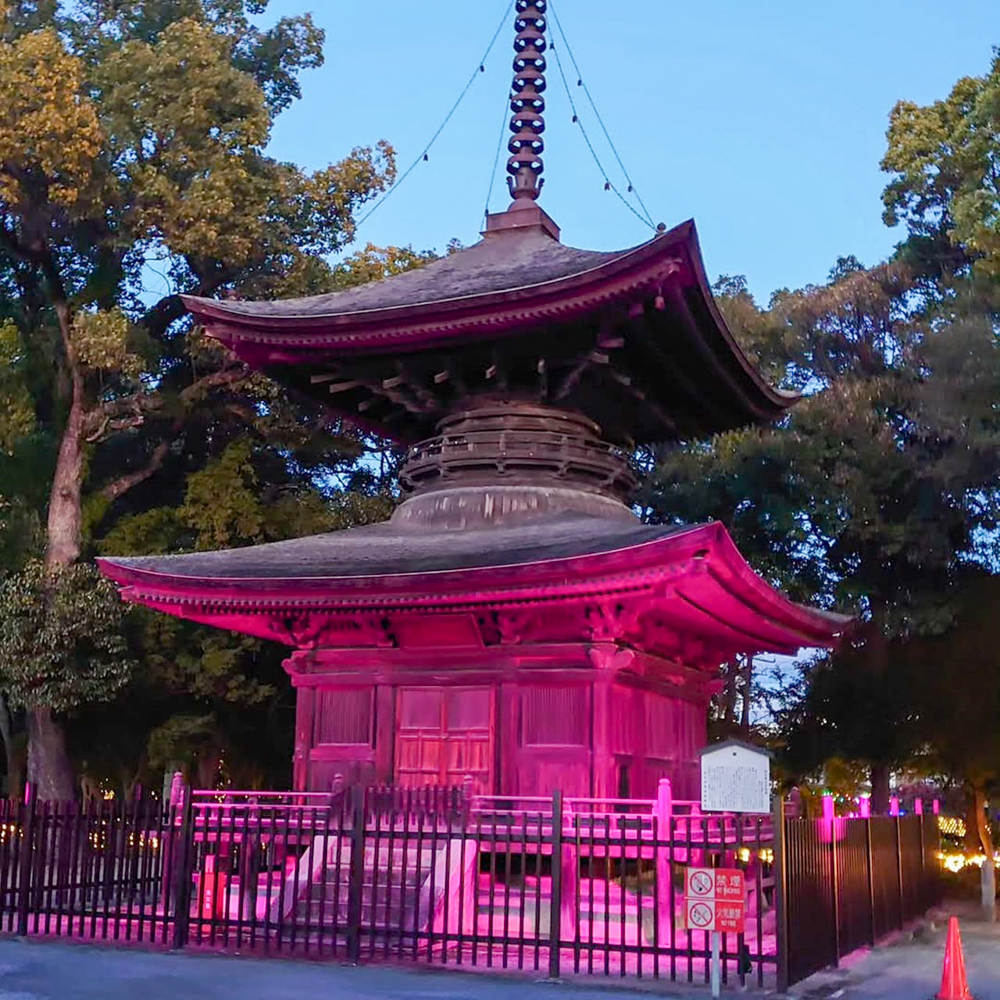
{"x":763,"y":121}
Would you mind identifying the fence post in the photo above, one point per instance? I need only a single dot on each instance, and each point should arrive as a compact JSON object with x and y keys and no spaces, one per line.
{"x":835,"y":890}
{"x":555,"y":907}
{"x":24,"y":875}
{"x":870,"y":859}
{"x":780,"y":892}
{"x":663,"y":810}
{"x":899,"y":873}
{"x":924,"y":894}
{"x":356,"y":884}
{"x":184,"y":853}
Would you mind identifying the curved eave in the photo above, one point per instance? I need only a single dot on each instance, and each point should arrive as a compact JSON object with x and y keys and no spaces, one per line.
{"x":696,"y":577}
{"x":669,"y":262}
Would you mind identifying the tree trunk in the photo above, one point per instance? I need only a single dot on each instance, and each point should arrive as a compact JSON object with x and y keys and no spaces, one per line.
{"x":988,"y":885}
{"x":49,"y":769}
{"x":206,"y":768}
{"x":729,"y":693}
{"x":982,"y":823}
{"x":879,"y":776}
{"x":971,"y":842}
{"x":65,"y":508}
{"x":747,"y":673}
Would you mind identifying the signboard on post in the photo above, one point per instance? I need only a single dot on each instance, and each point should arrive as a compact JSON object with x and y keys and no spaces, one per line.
{"x":735,"y":778}
{"x":714,"y":900}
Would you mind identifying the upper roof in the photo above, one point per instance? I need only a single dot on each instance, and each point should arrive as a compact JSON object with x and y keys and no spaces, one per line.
{"x":633,"y":339}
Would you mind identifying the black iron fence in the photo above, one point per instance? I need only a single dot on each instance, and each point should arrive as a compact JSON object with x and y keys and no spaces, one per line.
{"x":850,"y":882}
{"x":93,"y":871}
{"x":546,"y":885}
{"x":436,"y":877}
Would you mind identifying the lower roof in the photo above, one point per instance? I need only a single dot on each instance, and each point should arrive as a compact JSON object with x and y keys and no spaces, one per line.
{"x":690,"y":578}
{"x":387,"y":549}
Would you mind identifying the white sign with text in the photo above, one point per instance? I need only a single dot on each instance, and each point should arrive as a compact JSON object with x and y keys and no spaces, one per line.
{"x":736,"y":778}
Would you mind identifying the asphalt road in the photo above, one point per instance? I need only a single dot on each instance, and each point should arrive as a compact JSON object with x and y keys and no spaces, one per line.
{"x":40,"y":970}
{"x":909,"y":968}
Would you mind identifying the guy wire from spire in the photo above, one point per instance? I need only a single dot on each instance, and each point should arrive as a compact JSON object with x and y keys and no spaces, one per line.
{"x":480,"y":68}
{"x":593,"y":152}
{"x":581,"y":82}
{"x":499,"y":152}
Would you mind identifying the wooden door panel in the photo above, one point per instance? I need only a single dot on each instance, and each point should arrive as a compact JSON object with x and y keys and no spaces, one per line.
{"x":443,"y":735}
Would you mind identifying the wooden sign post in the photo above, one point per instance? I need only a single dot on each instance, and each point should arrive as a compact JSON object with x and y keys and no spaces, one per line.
{"x":735,"y":778}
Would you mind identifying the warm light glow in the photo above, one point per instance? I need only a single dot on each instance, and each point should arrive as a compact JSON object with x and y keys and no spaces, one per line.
{"x":765,"y":854}
{"x":951,"y":826}
{"x":955,"y":861}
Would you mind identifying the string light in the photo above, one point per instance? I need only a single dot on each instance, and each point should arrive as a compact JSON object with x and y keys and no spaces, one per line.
{"x":951,"y":826}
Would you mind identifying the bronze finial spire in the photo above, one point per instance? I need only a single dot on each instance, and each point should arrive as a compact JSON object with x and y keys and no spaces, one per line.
{"x":526,"y":145}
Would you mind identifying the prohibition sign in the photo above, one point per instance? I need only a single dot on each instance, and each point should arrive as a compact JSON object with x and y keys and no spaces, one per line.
{"x":702,"y":884}
{"x":700,"y":915}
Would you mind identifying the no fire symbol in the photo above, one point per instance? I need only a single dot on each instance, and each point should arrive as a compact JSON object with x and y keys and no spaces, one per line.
{"x":701,"y":915}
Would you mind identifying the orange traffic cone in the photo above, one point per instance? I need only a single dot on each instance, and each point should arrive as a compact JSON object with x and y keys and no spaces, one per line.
{"x":954,"y":985}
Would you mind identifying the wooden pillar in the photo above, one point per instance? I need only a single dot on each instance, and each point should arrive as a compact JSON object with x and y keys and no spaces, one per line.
{"x":385,"y":729}
{"x":507,"y":745}
{"x":305,"y":706}
{"x":603,"y":782}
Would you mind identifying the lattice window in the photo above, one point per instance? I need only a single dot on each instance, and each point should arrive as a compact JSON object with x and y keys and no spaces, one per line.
{"x":554,"y":717}
{"x":344,"y":717}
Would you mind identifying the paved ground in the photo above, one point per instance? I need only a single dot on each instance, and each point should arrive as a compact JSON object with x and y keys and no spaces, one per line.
{"x":41,"y":970}
{"x":909,"y":968}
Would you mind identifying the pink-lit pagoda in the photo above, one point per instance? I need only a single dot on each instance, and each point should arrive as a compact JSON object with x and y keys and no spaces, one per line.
{"x":513,"y":620}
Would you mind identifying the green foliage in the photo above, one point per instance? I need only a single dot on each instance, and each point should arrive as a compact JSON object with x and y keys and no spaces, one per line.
{"x":17,"y":413}
{"x":61,"y":643}
{"x":374,"y":263}
{"x":133,"y":142}
{"x":180,"y":738}
{"x":102,"y":343}
{"x":944,"y":185}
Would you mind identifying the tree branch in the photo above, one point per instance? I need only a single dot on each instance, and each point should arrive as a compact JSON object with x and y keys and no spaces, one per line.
{"x":118,"y":415}
{"x":120,"y":486}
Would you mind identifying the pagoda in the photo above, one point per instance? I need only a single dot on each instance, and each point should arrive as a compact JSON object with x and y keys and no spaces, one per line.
{"x":513,"y":621}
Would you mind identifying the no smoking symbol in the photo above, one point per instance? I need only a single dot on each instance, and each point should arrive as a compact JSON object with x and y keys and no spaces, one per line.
{"x":700,"y":915}
{"x":701,"y":884}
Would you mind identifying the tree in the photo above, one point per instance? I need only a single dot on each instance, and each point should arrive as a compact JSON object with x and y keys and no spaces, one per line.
{"x":132,"y":138}
{"x":945,"y":184}
{"x":955,"y":681}
{"x":868,"y":496}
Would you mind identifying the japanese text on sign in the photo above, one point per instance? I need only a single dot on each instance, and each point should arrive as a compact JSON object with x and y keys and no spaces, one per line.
{"x":735,"y":778}
{"x":714,"y":900}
